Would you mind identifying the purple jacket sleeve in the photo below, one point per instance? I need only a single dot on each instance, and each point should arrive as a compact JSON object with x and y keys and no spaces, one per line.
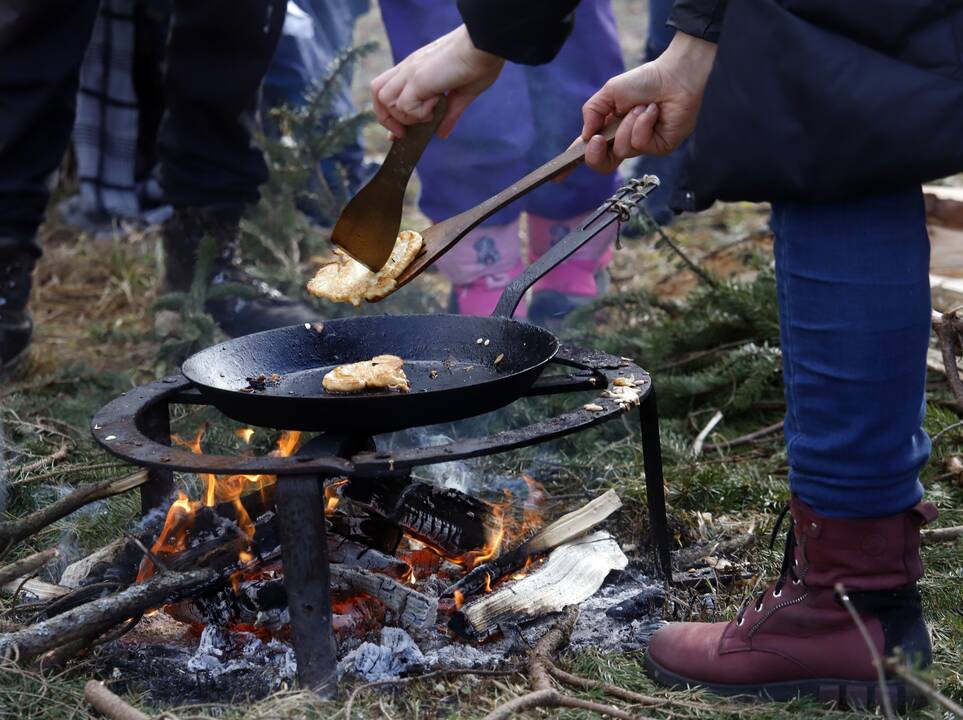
{"x":529,"y":32}
{"x":699,"y":18}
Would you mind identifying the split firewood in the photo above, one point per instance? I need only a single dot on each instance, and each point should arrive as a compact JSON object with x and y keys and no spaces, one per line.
{"x":15,"y":531}
{"x":27,"y":565}
{"x":444,"y":518}
{"x":96,"y":617}
{"x":414,"y":610}
{"x":566,"y":528}
{"x":38,"y":588}
{"x":572,"y":573}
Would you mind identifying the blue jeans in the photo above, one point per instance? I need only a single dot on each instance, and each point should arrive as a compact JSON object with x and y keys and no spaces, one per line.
{"x":854,"y":312}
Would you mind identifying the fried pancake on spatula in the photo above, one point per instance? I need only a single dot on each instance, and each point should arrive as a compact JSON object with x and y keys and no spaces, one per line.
{"x":347,"y":280}
{"x":378,"y":373}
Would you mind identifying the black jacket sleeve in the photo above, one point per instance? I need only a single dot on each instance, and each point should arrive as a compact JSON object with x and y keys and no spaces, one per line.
{"x":530,"y":32}
{"x":699,"y":18}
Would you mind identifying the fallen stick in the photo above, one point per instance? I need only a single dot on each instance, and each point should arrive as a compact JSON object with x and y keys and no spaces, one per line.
{"x":107,"y":703}
{"x":745,"y":439}
{"x":58,"y":454}
{"x":566,"y":528}
{"x":544,"y":694}
{"x":895,"y":667}
{"x":939,"y":535}
{"x":66,"y":470}
{"x":871,"y":646}
{"x":27,"y":565}
{"x":15,"y":531}
{"x":97,"y":616}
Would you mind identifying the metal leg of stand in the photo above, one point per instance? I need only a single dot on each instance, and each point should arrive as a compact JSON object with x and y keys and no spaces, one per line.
{"x":654,"y":487}
{"x":307,"y":578}
{"x":157,"y":490}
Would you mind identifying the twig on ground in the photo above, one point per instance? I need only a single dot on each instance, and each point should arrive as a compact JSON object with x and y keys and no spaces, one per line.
{"x":871,"y":646}
{"x":745,"y":439}
{"x":27,"y":565}
{"x":15,"y":531}
{"x":948,"y":327}
{"x":349,"y":706}
{"x":57,"y":455}
{"x":896,"y":667}
{"x":109,"y":704}
{"x":948,"y":428}
{"x":940,"y":535}
{"x":704,"y":433}
{"x":543,"y":693}
{"x":67,"y":470}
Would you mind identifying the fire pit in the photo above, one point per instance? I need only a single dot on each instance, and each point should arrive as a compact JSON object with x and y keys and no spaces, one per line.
{"x":136,"y":427}
{"x":458,"y":367}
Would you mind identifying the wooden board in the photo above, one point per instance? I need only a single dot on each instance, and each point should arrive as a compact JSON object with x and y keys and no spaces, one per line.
{"x":573,"y":573}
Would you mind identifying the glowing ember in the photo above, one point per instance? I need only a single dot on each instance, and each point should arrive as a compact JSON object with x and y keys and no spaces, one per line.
{"x":459,"y":599}
{"x":245,"y":434}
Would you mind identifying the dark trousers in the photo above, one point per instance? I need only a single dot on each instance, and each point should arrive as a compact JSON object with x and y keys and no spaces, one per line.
{"x":217,"y":53}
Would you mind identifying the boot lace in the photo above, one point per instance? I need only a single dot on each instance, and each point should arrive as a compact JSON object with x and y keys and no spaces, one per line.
{"x":786,"y":572}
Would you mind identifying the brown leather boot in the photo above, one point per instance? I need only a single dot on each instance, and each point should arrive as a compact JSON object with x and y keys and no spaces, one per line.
{"x":797,"y":638}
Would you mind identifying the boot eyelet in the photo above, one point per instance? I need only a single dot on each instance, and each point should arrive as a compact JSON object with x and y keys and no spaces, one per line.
{"x":796,"y":581}
{"x":740,"y":621}
{"x":777,"y":594}
{"x":760,"y":606}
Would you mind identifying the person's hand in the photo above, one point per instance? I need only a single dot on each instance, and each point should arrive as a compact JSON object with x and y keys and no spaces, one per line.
{"x":407,"y":93}
{"x":660,"y":101}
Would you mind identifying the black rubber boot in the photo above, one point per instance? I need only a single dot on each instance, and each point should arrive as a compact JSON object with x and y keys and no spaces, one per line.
{"x":252,"y":309}
{"x":16,"y":327}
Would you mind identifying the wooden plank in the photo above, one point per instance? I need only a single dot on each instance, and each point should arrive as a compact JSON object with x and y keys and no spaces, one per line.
{"x":573,"y":573}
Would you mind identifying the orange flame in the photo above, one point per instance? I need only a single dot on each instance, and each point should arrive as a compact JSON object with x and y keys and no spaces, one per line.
{"x":459,"y":599}
{"x":218,"y":489}
{"x":245,"y":434}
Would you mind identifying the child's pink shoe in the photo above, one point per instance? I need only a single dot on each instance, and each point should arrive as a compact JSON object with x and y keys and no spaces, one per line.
{"x":480,"y":296}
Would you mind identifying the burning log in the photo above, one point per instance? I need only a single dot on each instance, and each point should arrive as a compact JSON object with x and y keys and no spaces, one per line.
{"x":413,"y":609}
{"x":566,"y":528}
{"x":572,"y":573}
{"x":351,"y":554}
{"x":26,"y":565}
{"x":448,"y":520}
{"x":96,"y":617}
{"x":369,"y":530}
{"x":15,"y":531}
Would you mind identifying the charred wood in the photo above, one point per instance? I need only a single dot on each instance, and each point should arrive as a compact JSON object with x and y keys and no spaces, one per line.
{"x":566,"y":528}
{"x":96,"y":617}
{"x":370,"y":530}
{"x":413,"y":609}
{"x":444,"y":518}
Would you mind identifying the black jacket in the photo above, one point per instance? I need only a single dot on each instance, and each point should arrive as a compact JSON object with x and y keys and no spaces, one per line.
{"x":811,"y":100}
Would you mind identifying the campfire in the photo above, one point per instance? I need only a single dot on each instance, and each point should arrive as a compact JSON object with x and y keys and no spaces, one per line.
{"x":327,"y":556}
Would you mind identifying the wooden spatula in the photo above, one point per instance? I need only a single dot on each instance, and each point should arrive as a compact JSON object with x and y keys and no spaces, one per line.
{"x":369,"y":223}
{"x":440,"y":238}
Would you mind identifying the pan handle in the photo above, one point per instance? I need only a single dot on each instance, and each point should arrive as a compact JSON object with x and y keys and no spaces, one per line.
{"x":616,"y":208}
